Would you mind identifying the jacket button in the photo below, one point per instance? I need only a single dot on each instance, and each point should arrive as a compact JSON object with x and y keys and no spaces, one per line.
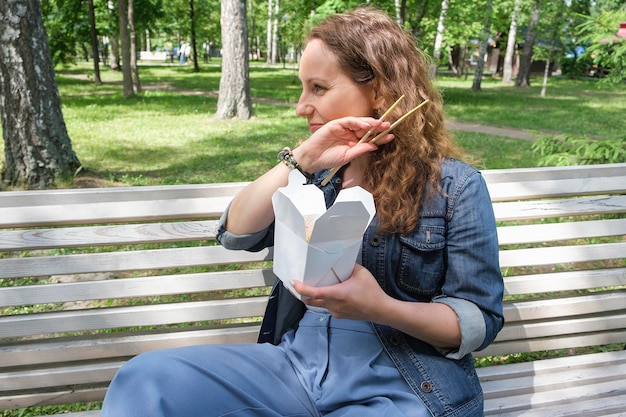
{"x":426,"y":386}
{"x":395,"y":340}
{"x":375,"y":240}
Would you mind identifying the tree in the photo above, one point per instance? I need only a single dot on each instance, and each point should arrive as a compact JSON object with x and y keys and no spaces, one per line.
{"x":234,"y":95}
{"x":439,"y":37}
{"x":523,"y":76}
{"x":94,"y":43}
{"x":478,"y":76}
{"x":134,"y":70}
{"x":127,"y":76}
{"x":38,"y":149}
{"x":511,"y":45}
{"x":606,"y":48}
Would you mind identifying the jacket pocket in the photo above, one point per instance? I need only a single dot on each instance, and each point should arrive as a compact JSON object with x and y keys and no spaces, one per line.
{"x":422,"y":263}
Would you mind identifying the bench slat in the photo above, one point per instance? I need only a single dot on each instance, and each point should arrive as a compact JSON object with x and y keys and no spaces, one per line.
{"x":528,"y":210}
{"x":508,"y":347}
{"x":126,"y":261}
{"x":495,"y":176}
{"x":564,"y":281}
{"x":516,"y":370}
{"x":77,"y":196}
{"x":120,"y":345}
{"x":533,"y":233}
{"x":92,"y":374}
{"x":564,"y":307}
{"x":509,"y":191}
{"x":136,"y":316}
{"x":71,"y":237}
{"x":135,"y":287}
{"x":583,"y":400}
{"x":124,"y":211}
{"x":525,"y":331}
{"x":561,"y":254}
{"x":65,"y":396}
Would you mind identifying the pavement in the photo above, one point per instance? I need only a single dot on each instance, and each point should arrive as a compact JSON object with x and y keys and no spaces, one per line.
{"x":491,"y":130}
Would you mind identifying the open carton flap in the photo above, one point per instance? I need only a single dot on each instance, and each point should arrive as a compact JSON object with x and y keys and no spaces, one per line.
{"x":317,"y":246}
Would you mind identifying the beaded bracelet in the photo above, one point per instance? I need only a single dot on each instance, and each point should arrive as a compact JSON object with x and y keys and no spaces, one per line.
{"x":286,"y":157}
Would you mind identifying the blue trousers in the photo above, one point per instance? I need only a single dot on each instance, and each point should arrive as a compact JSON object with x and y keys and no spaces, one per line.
{"x":329,"y":367}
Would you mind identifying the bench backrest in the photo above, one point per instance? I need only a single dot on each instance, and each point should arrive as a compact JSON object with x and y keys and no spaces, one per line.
{"x":92,"y":277}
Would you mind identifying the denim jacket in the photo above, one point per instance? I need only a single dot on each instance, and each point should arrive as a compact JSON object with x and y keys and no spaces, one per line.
{"x":451,"y":257}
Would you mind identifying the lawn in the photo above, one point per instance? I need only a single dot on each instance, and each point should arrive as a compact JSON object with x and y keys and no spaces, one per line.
{"x":168,"y":135}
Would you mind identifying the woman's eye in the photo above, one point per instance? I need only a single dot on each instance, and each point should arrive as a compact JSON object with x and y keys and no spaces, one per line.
{"x":318,"y":89}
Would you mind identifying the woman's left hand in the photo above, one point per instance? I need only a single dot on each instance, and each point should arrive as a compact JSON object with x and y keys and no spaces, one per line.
{"x":356,"y":298}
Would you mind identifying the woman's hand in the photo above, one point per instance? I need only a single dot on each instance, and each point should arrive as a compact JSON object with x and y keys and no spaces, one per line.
{"x":361,"y":298}
{"x":356,"y":298}
{"x":337,"y":142}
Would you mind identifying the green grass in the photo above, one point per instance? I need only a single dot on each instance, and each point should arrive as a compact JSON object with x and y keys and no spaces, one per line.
{"x":168,"y":135}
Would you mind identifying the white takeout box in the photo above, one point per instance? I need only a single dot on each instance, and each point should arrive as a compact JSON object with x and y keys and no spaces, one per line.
{"x":311,"y":244}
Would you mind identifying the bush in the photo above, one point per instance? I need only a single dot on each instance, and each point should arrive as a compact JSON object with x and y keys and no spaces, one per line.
{"x":579,"y":150}
{"x":577,"y":66}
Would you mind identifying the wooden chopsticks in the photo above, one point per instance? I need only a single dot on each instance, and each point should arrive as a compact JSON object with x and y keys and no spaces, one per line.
{"x":365,"y":137}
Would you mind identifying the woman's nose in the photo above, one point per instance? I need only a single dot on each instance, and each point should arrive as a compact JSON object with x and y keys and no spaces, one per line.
{"x":303,"y":108}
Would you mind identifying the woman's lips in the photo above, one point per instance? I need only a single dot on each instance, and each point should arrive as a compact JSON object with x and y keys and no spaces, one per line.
{"x":314,"y":126}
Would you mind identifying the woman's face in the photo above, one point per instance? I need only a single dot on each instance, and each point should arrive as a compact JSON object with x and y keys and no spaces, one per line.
{"x":328,"y":93}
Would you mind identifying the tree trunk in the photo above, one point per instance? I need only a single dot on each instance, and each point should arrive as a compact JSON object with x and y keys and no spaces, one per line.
{"x":234,"y":95}
{"x":275,"y":32}
{"x":38,"y":149}
{"x":523,"y":76}
{"x":122,"y":8}
{"x":511,"y":46}
{"x":115,"y":53}
{"x":270,"y":12}
{"x":440,"y":30}
{"x":94,"y":44}
{"x":134,"y":70}
{"x":478,"y":76}
{"x":194,"y":50}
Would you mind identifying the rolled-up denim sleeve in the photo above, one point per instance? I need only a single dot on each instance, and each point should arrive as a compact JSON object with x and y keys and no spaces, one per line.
{"x":473,"y":285}
{"x":471,"y":323}
{"x":253,"y":242}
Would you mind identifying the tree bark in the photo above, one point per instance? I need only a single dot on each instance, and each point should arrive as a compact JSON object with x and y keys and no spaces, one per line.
{"x":523,"y":76}
{"x":134,"y":70}
{"x":511,"y":49}
{"x":194,"y":50}
{"x":127,"y":76}
{"x":234,"y":95}
{"x":38,"y":150}
{"x":94,"y":44}
{"x":270,"y":12}
{"x":478,"y":76}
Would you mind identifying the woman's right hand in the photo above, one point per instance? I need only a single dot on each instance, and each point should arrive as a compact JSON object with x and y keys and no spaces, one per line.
{"x":337,"y":142}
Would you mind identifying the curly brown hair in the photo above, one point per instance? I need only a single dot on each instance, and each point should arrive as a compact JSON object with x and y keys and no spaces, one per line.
{"x":372,"y":48}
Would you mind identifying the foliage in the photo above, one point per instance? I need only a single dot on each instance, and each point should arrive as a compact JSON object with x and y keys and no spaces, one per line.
{"x":577,"y":66}
{"x":567,"y":150}
{"x":607,"y":51}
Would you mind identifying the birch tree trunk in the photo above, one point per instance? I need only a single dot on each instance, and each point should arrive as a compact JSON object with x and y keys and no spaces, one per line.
{"x":507,"y":71}
{"x":37,"y":147}
{"x":234,"y":95}
{"x":440,"y":31}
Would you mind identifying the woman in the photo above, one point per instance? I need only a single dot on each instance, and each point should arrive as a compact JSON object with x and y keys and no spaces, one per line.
{"x":395,"y":339}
